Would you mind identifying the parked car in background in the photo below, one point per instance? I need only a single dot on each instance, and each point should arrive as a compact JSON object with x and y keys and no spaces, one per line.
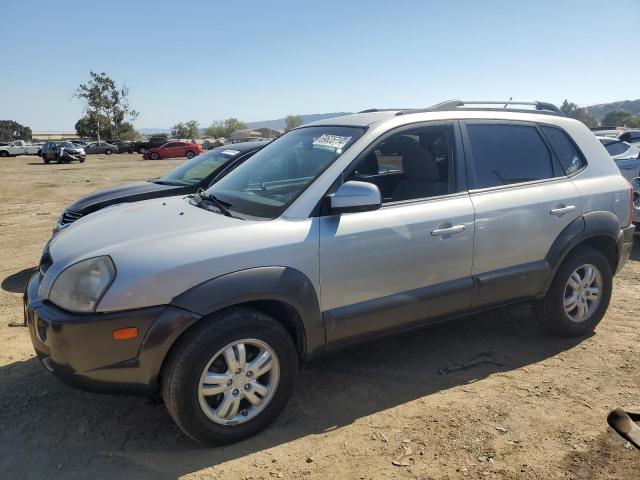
{"x":626,"y":156}
{"x":172,"y":150}
{"x":101,"y":147}
{"x":630,"y":136}
{"x":151,"y":142}
{"x":195,"y":174}
{"x":123,"y":147}
{"x":62,"y":152}
{"x":635,"y":183}
{"x":306,"y":247}
{"x":19,"y":147}
{"x":81,"y":143}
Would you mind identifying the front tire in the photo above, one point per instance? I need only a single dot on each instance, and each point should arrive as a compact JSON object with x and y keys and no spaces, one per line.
{"x":190,"y":155}
{"x":154,"y":156}
{"x":230,"y":377}
{"x":4,"y":154}
{"x":579,"y":294}
{"x":108,"y":151}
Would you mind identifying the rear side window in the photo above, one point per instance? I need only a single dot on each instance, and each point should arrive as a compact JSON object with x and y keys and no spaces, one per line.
{"x":616,"y":148}
{"x":506,"y":154}
{"x":565,"y":150}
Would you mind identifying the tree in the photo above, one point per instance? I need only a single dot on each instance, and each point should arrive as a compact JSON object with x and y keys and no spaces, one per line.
{"x":10,"y":130}
{"x":93,"y":125}
{"x":621,"y":118}
{"x":582,"y":114}
{"x":224,"y":128}
{"x":293,"y":121}
{"x":190,"y":129}
{"x":106,"y":104}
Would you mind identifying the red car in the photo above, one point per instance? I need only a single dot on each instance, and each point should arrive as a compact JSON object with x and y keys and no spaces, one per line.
{"x":173,"y":149}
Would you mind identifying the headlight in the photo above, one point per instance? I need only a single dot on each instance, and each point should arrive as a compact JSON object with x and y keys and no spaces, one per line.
{"x":81,"y":286}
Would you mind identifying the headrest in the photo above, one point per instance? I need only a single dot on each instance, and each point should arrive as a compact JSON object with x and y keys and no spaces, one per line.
{"x":419,"y":164}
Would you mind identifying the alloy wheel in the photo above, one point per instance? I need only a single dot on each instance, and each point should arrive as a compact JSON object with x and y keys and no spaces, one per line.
{"x":238,"y":382}
{"x":582,"y":293}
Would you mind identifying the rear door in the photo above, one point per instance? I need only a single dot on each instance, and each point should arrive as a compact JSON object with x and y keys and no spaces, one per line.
{"x":522,"y":199}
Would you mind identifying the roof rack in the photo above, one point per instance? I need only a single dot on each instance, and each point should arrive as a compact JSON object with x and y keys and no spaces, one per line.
{"x":373,"y":110}
{"x":449,"y":105}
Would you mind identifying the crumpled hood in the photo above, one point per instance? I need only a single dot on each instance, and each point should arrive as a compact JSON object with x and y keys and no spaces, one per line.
{"x":162,"y":247}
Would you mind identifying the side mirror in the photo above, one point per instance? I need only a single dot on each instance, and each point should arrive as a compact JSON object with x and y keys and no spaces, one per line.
{"x":354,"y":196}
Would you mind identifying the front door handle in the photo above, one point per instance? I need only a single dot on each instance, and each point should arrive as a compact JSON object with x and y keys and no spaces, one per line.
{"x":441,"y":232}
{"x":560,"y":211}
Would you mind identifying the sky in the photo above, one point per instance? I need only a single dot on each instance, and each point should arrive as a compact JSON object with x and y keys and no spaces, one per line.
{"x":257,"y":60}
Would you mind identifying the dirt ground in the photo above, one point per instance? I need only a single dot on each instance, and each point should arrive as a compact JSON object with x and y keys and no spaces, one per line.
{"x":490,"y":396}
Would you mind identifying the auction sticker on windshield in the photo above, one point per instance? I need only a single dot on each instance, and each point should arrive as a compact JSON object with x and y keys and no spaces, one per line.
{"x":333,"y":141}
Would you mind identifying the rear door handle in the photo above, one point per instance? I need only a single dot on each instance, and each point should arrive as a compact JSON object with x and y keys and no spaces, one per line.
{"x":440,"y":232}
{"x":560,"y":211}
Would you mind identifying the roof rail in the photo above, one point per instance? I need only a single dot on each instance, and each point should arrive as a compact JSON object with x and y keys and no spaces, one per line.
{"x":449,"y":105}
{"x":373,"y":110}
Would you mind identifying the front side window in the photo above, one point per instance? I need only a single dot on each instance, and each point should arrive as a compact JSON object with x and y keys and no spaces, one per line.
{"x":566,"y":152}
{"x":507,"y":154}
{"x":267,"y":183}
{"x":409,"y":165}
{"x":198,"y":168}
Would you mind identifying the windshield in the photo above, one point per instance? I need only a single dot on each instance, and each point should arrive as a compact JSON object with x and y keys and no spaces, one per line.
{"x":200,"y":167}
{"x":68,"y":145}
{"x":267,"y":183}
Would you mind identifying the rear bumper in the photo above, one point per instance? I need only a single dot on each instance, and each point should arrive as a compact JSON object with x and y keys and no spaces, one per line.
{"x":80,"y":351}
{"x":625,"y":245}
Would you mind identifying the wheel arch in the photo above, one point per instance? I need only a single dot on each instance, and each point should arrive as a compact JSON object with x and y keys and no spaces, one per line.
{"x":284,"y":293}
{"x":599,"y":230}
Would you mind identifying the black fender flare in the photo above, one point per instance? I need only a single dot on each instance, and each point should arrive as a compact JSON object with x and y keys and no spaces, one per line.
{"x":593,"y":224}
{"x":275,"y":283}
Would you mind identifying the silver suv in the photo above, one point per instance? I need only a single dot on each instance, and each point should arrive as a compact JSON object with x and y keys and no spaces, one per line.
{"x":341,"y":230}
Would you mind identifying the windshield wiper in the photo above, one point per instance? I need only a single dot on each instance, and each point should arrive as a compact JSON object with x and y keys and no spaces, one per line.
{"x":218,"y":203}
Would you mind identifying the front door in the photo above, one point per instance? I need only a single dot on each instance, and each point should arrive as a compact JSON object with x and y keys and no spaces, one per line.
{"x":409,"y":261}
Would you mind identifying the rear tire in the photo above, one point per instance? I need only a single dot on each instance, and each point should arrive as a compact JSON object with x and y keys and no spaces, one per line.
{"x":198,"y":354}
{"x":571,"y":307}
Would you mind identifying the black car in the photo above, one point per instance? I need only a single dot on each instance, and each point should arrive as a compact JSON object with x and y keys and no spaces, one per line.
{"x":194,"y":174}
{"x":123,"y":147}
{"x":62,"y":152}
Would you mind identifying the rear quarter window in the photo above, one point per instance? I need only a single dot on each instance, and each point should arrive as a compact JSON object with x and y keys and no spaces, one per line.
{"x":566,"y":151}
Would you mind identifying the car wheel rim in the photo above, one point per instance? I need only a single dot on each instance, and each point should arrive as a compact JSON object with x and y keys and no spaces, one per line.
{"x":582,"y":293}
{"x":238,"y":382}
{"x":189,"y":155}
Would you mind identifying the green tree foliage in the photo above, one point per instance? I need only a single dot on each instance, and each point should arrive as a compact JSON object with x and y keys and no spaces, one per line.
{"x":190,"y":129}
{"x":224,"y":128}
{"x":106,"y":104}
{"x":293,"y":121}
{"x":10,"y":130}
{"x":582,"y":114}
{"x":621,"y":118}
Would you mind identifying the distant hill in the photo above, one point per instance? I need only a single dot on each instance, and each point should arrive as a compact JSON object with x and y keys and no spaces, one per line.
{"x":600,"y":110}
{"x":279,"y":123}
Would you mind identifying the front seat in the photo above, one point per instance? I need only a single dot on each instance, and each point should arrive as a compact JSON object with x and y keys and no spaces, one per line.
{"x":422,"y":175}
